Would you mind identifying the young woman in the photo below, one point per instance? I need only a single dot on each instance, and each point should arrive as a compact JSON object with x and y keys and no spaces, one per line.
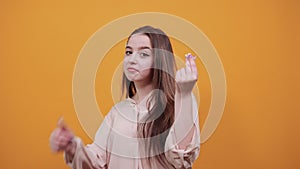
{"x":156,"y":126}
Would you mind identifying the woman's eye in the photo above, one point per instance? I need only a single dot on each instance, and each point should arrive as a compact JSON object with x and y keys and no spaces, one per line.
{"x":128,"y":53}
{"x":144,"y":54}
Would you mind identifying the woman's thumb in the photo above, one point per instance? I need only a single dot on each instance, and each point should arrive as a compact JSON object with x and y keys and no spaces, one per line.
{"x":61,"y":124}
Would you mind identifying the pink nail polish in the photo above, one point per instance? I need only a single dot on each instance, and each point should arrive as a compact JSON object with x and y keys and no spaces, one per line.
{"x":189,"y":55}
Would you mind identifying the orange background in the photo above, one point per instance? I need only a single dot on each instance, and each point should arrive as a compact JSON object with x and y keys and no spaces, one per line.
{"x":258,"y":43}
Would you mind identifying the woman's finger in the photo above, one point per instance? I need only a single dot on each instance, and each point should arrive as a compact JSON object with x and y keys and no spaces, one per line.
{"x":182,"y":74}
{"x":61,"y":142}
{"x":193,"y":66}
{"x":188,"y":68}
{"x":191,"y":62}
{"x":63,"y":138}
{"x":61,"y":124}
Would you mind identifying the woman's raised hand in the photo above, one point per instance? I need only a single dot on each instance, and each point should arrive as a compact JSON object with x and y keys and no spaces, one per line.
{"x":187,"y":77}
{"x":61,"y":137}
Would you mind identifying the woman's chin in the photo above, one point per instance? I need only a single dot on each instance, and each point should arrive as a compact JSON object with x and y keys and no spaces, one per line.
{"x":132,"y":78}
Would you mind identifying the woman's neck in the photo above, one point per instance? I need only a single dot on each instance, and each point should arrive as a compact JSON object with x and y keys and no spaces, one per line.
{"x":142,"y":90}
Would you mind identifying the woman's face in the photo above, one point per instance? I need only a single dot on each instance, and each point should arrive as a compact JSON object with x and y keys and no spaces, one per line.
{"x":138,"y":59}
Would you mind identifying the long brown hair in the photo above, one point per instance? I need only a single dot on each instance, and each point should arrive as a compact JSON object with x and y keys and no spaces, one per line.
{"x":160,"y":118}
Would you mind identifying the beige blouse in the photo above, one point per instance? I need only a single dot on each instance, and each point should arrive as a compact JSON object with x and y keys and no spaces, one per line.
{"x":116,"y":145}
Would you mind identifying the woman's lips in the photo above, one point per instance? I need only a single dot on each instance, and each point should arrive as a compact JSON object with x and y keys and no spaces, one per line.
{"x":131,"y":69}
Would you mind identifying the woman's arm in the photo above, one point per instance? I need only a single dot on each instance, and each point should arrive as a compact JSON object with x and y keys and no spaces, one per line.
{"x":76,"y":154}
{"x":184,"y":124}
{"x":183,"y":142}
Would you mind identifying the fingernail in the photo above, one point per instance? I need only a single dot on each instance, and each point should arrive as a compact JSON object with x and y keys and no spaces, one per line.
{"x":189,"y":56}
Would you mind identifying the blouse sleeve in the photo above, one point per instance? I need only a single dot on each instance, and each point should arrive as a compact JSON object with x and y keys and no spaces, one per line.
{"x":91,"y":156}
{"x":184,"y":158}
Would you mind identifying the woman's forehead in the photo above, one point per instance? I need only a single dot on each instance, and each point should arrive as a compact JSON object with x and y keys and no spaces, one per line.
{"x":139,"y":40}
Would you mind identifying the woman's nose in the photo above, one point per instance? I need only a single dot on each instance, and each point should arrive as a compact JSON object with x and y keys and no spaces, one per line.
{"x":133,"y":58}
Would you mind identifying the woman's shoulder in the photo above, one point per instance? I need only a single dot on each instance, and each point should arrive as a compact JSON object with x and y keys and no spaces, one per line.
{"x":123,"y":105}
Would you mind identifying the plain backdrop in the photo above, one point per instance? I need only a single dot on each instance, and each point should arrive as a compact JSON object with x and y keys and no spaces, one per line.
{"x":258,"y":43}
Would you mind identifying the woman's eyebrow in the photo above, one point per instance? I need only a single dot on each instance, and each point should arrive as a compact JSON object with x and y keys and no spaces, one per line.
{"x":128,"y":47}
{"x":140,"y":48}
{"x":144,"y":47}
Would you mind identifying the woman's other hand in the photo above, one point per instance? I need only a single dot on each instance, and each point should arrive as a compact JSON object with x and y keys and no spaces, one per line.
{"x":61,"y":138}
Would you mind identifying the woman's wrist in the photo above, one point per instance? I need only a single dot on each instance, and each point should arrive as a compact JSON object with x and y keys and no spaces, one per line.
{"x":183,"y":94}
{"x":71,"y":148}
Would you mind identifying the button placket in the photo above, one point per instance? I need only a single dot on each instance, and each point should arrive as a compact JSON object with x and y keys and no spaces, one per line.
{"x":135,"y":106}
